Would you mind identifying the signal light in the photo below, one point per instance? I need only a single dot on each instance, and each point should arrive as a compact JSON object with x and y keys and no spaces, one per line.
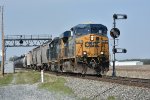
{"x":114,"y":50}
{"x":115,"y":16}
{"x":114,"y":32}
{"x":21,"y":41}
{"x":124,"y":51}
{"x":125,"y":16}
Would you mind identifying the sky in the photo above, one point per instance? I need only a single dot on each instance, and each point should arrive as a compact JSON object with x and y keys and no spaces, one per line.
{"x":53,"y":17}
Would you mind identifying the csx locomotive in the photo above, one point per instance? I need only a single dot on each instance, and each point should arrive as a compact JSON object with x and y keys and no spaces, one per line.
{"x":83,"y":49}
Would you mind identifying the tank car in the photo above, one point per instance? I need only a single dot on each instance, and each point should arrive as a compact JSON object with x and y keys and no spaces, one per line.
{"x":19,"y":62}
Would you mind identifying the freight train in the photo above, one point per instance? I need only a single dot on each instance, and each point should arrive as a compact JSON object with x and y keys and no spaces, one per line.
{"x":83,"y":49}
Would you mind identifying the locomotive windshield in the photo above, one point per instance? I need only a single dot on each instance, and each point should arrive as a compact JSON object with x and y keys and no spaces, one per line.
{"x":83,"y":29}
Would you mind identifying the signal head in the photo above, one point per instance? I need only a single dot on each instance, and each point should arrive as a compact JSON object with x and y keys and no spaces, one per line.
{"x":125,"y":16}
{"x":124,"y":51}
{"x":114,"y":32}
{"x":115,"y":16}
{"x":114,"y":50}
{"x":21,"y":41}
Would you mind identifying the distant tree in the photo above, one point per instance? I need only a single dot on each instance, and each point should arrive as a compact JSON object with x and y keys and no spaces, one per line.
{"x":146,"y":61}
{"x":13,"y":58}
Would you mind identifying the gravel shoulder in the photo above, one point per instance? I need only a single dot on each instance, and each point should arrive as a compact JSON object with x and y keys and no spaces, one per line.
{"x":30,"y":92}
{"x":96,"y":90}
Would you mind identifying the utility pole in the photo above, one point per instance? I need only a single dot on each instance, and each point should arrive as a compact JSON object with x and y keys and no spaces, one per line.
{"x":3,"y":43}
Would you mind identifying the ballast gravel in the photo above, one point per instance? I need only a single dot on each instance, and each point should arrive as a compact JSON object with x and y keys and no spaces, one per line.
{"x":30,"y":92}
{"x":83,"y":90}
{"x":97,"y":90}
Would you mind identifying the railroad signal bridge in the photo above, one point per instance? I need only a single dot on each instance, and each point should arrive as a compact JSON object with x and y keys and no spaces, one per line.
{"x":26,"y":40}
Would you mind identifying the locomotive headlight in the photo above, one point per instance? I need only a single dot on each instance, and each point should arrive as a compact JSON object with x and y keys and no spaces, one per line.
{"x":92,"y":38}
{"x":84,"y":53}
{"x":102,"y":53}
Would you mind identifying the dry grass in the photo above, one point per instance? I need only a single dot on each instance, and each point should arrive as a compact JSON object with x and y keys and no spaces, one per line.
{"x":132,"y":71}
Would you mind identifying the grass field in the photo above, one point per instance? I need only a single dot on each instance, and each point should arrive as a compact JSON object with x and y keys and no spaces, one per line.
{"x":132,"y":71}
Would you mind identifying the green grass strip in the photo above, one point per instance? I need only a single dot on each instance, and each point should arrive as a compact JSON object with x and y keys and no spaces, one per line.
{"x":111,"y":98}
{"x":6,"y":80}
{"x":27,"y":77}
{"x":57,"y":85}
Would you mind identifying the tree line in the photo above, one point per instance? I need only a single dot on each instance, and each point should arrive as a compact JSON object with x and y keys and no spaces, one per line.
{"x":145,"y":61}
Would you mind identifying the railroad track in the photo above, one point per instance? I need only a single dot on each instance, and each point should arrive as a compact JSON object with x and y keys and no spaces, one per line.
{"x":138,"y":82}
{"x":145,"y":83}
{"x":126,"y":81}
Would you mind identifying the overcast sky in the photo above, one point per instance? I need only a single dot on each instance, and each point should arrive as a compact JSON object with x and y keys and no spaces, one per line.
{"x":56,"y":16}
